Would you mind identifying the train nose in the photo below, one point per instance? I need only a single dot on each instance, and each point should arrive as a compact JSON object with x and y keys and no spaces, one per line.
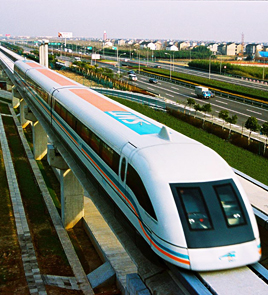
{"x":225,"y":257}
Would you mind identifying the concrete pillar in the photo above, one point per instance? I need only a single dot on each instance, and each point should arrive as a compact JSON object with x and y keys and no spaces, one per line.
{"x":45,"y":53}
{"x":23,"y":108}
{"x":41,"y":53}
{"x":72,"y":194}
{"x":9,"y":86}
{"x":72,"y":199}
{"x":39,"y":140}
{"x":16,"y":97}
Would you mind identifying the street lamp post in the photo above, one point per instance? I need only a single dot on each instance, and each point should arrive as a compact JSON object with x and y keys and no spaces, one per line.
{"x":173,"y":62}
{"x":119,"y":62}
{"x":169,"y":65}
{"x":209,"y":68}
{"x":263,"y":71}
{"x":139,"y":60}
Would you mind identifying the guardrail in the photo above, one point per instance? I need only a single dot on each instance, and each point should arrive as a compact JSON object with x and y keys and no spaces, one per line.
{"x":156,"y":103}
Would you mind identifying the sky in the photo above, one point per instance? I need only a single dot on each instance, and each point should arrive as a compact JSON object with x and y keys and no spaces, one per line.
{"x":200,"y":20}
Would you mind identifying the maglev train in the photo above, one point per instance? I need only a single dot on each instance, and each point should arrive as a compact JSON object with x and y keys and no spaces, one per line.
{"x":180,"y":195}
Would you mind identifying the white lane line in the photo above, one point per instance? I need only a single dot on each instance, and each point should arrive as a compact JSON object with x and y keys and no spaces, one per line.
{"x":254,"y":112}
{"x":169,"y":95}
{"x":221,"y":102}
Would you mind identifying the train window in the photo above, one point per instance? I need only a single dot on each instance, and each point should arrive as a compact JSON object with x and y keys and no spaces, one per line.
{"x":71,"y":120}
{"x":195,"y":208}
{"x":110,"y":157}
{"x":95,"y":143}
{"x":57,"y":107}
{"x":107,"y":154}
{"x":63,"y":113}
{"x":230,"y":205}
{"x":83,"y":132}
{"x":136,"y":185}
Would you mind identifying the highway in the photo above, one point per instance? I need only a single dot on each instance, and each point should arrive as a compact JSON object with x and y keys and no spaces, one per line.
{"x":218,"y":77}
{"x":180,"y":94}
{"x":204,"y":74}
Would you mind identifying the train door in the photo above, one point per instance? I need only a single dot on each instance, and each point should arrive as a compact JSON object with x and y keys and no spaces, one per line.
{"x":126,"y":154}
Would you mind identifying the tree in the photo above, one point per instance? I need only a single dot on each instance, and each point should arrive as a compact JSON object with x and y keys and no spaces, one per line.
{"x":231,"y":120}
{"x":197,"y":107}
{"x":252,"y":125}
{"x":264,"y":130}
{"x":224,"y":115}
{"x":206,"y":108}
{"x":190,"y":102}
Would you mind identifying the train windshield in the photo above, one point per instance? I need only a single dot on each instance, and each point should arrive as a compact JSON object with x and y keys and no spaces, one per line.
{"x":195,"y":208}
{"x":229,"y":202}
{"x":212,"y":213}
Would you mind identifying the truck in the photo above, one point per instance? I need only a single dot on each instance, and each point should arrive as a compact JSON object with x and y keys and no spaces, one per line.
{"x":203,"y":92}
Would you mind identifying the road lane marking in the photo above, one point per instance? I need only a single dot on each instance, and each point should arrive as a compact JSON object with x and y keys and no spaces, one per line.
{"x":254,"y":112}
{"x":221,"y":102}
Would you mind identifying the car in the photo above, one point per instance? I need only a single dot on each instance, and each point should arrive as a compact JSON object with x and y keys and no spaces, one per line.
{"x":157,"y":66}
{"x":131,"y":72}
{"x":132,"y":77}
{"x":212,"y":94}
{"x":153,"y":80}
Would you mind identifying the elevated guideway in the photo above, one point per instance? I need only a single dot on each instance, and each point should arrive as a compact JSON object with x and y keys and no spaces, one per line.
{"x":225,"y":282}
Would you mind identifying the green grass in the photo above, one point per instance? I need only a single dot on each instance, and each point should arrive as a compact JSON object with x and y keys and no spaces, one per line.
{"x":238,"y":158}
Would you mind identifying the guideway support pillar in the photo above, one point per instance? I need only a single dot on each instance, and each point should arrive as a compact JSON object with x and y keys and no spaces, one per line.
{"x":39,"y":135}
{"x":16,"y":97}
{"x":23,"y":121}
{"x":72,"y":193}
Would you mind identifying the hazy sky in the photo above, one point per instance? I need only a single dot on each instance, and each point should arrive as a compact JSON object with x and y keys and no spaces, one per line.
{"x":141,"y":19}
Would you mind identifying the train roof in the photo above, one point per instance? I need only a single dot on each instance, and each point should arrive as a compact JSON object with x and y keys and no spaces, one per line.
{"x":103,"y":113}
{"x":161,"y":146}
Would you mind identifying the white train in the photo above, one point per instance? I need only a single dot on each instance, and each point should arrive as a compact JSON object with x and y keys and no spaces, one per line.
{"x":181,"y":196}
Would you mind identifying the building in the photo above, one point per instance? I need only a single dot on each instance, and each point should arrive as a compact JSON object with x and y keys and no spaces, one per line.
{"x":104,"y":36}
{"x":172,"y":48}
{"x":251,"y":49}
{"x":183,"y":45}
{"x":230,"y":48}
{"x":213,"y":47}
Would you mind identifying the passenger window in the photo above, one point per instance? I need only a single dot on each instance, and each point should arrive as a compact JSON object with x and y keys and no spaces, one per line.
{"x":107,"y":154}
{"x":195,"y":208}
{"x":95,"y":143}
{"x":230,"y":205}
{"x":136,"y":185}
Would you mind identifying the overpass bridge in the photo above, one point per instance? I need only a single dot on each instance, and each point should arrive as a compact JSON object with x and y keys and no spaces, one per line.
{"x":73,"y":178}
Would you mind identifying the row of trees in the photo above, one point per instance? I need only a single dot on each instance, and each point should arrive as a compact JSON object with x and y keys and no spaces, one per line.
{"x":228,"y":68}
{"x":198,"y":52}
{"x":251,"y":123}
